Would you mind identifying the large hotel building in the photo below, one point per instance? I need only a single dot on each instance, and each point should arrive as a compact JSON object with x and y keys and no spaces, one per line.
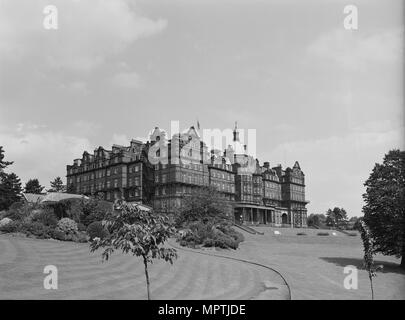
{"x":162,"y":171}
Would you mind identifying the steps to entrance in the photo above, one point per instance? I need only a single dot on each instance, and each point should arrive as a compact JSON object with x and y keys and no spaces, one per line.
{"x":248,"y":229}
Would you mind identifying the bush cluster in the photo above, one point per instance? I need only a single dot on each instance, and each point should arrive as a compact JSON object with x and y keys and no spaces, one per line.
{"x":67,"y":220}
{"x":67,"y":226}
{"x":96,"y":230}
{"x":209,"y":235}
{"x":5,"y":221}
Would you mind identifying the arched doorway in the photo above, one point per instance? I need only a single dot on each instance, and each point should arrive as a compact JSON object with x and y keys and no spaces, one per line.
{"x":284,"y":218}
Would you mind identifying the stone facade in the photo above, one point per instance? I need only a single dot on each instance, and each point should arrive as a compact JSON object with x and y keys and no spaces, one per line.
{"x":162,"y":171}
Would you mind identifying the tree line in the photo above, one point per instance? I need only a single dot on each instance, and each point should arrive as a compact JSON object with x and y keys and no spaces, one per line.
{"x":334,"y":218}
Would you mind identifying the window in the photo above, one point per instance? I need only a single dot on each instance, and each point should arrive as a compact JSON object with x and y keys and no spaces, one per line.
{"x":115,"y":183}
{"x":108,"y":172}
{"x":137,"y":181}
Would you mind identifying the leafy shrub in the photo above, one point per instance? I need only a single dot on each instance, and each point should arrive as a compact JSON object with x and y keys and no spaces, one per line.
{"x":225,"y":242}
{"x":81,"y":227}
{"x":36,"y":229}
{"x":322,"y":234}
{"x":67,"y":225}
{"x":3,"y":214}
{"x":83,"y":211}
{"x":46,"y":217}
{"x":211,"y":235}
{"x":57,"y":234}
{"x":237,"y":236}
{"x":96,"y":230}
{"x":208,"y":243}
{"x":95,"y":210}
{"x":20,"y":210}
{"x":13,"y":226}
{"x":5,"y":221}
{"x":81,"y":237}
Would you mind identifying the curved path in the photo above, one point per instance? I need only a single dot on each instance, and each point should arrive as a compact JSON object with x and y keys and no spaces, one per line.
{"x":82,"y":275}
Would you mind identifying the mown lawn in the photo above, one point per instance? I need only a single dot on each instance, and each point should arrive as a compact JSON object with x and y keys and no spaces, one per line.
{"x":82,"y":275}
{"x":314,"y":264}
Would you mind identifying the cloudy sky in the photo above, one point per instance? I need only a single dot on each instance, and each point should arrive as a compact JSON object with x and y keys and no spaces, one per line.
{"x":315,"y":92}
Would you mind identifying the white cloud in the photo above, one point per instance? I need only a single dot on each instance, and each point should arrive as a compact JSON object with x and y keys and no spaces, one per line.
{"x":77,"y":86}
{"x":355,"y":50}
{"x":89,"y":32}
{"x":129,"y":80}
{"x":337,"y":166}
{"x":124,"y":140}
{"x":40,"y":153}
{"x":120,"y":139}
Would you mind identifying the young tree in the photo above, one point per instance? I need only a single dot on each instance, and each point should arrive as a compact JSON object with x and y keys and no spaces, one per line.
{"x":57,"y":185}
{"x":369,"y":251}
{"x":10,"y":190}
{"x":137,"y":232}
{"x":33,"y":186}
{"x":384,"y":209}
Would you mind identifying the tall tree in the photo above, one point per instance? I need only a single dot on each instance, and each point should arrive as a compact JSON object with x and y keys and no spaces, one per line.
{"x":384,"y":209}
{"x":57,"y":185}
{"x":3,"y":163}
{"x":137,"y":232}
{"x":316,"y":220}
{"x":10,"y":190}
{"x":336,"y":217}
{"x":10,"y":184}
{"x":205,"y":205}
{"x":33,"y":186}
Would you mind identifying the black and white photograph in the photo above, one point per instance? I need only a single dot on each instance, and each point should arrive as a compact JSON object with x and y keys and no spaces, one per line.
{"x":196,"y":150}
